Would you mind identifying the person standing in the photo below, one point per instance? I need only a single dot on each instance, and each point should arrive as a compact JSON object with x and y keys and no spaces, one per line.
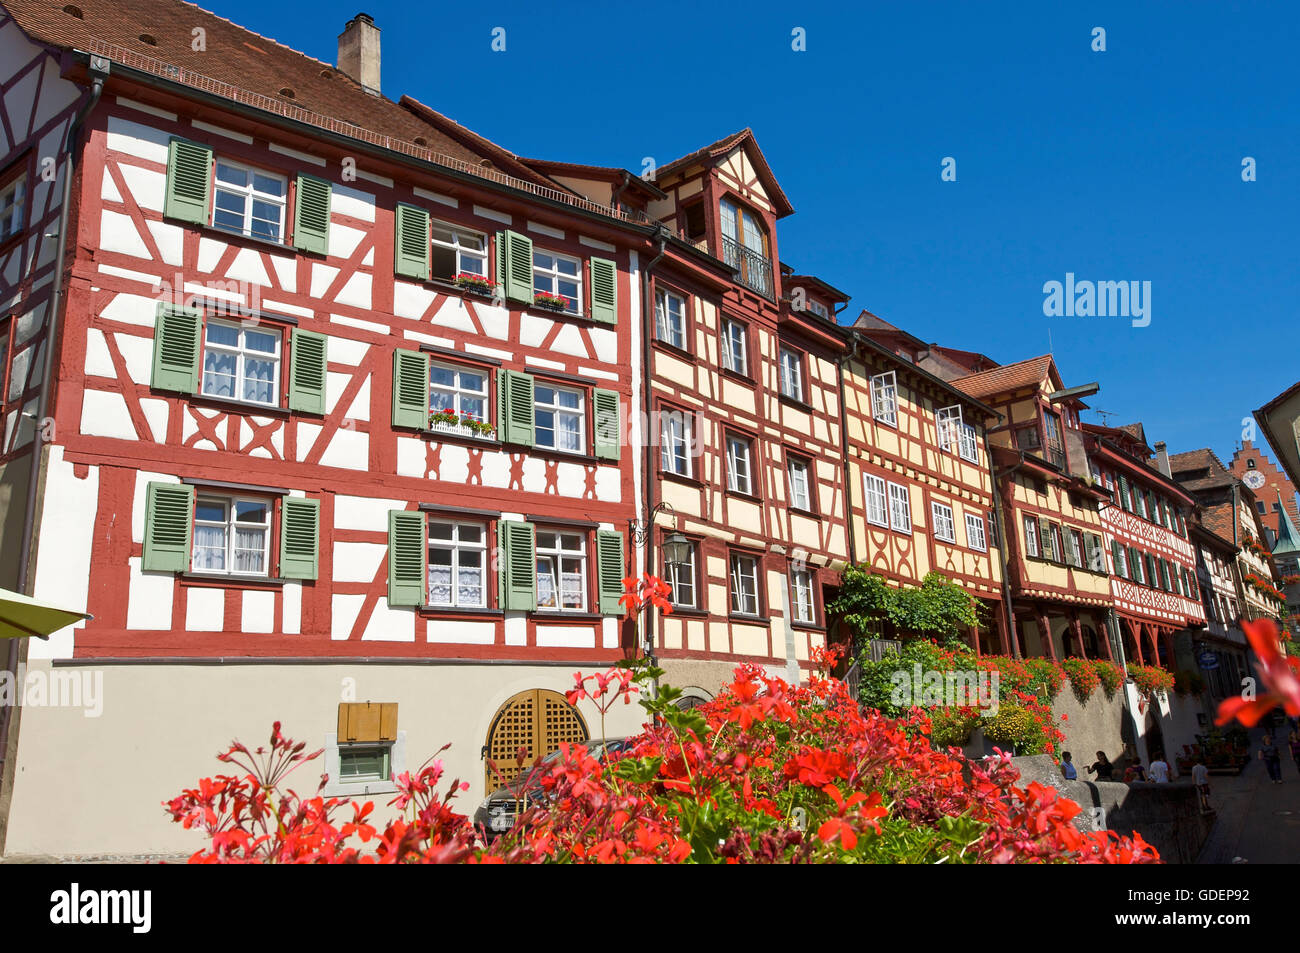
{"x":1160,"y":769}
{"x":1201,"y":778}
{"x":1134,"y":772}
{"x":1272,"y":759}
{"x":1102,"y":767}
{"x":1294,"y":745}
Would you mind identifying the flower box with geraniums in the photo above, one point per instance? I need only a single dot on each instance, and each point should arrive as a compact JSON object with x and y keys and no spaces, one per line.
{"x":448,"y":421}
{"x":474,"y":284}
{"x":544,"y":299}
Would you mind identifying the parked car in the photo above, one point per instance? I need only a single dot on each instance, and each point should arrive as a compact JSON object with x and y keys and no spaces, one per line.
{"x":502,"y":807}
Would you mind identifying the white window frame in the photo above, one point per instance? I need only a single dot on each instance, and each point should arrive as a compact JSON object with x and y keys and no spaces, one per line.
{"x":666,"y":330}
{"x":13,"y":205}
{"x":580,"y":412}
{"x":803,"y":599}
{"x":947,"y":421}
{"x":900,"y":508}
{"x":461,"y":253}
{"x":945,"y":527}
{"x":748,"y":594}
{"x":554,"y":276}
{"x":735,"y":333}
{"x":250,"y":194}
{"x":791,"y":373}
{"x":976,"y":538}
{"x":793,"y":463}
{"x":884,"y":398}
{"x":455,"y":545}
{"x":1032,"y":535}
{"x":675,"y":573}
{"x":968,"y":447}
{"x":735,"y":442}
{"x":457,"y":393}
{"x":876,"y":499}
{"x":556,"y":556}
{"x":230,"y":526}
{"x":242,"y":353}
{"x":676,"y":437}
{"x":817,"y":308}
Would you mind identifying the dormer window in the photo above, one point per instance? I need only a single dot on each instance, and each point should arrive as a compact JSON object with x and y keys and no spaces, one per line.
{"x":745,"y":246}
{"x":819,"y":309}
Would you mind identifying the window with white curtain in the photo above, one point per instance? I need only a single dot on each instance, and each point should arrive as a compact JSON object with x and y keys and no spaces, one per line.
{"x":804,"y":604}
{"x":744,"y":584}
{"x":675,"y":440}
{"x":249,"y":201}
{"x":241,"y":362}
{"x":231,"y":535}
{"x":734,"y":352}
{"x":457,"y":564}
{"x":561,"y":571}
{"x":560,"y":417}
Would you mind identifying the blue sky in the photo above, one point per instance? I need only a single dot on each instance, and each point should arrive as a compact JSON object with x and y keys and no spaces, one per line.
{"x":1116,"y":165}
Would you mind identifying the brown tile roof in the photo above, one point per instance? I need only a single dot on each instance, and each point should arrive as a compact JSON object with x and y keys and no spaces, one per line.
{"x":241,"y":58}
{"x":1194,"y":461}
{"x":1006,"y":378}
{"x":1219,"y":520}
{"x":720,"y":148}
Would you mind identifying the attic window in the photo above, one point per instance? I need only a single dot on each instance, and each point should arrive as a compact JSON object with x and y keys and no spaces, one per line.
{"x":73,"y":11}
{"x":286,"y":92}
{"x":327,"y":74}
{"x":420,"y":141}
{"x":149,"y":38}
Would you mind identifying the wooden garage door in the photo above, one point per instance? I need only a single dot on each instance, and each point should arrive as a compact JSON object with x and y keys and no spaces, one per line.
{"x":537,"y":720}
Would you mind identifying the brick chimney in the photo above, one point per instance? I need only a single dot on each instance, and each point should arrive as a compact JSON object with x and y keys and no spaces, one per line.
{"x":359,"y":51}
{"x":1162,"y":459}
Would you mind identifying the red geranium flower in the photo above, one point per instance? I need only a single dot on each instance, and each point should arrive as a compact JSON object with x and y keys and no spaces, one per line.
{"x":1280,"y":674}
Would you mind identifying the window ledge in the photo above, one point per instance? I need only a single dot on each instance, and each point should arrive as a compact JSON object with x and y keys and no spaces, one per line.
{"x":453,"y":436}
{"x":807,"y":626}
{"x":681,"y":478}
{"x":739,"y":377}
{"x":247,"y":406}
{"x":227,"y":580}
{"x":744,"y":496}
{"x":798,"y":403}
{"x":228,"y":235}
{"x":552,"y":453}
{"x":672,"y":349}
{"x":689,"y":612}
{"x":803,"y":512}
{"x":749,"y":619}
{"x":461,"y":611}
{"x":555,"y":615}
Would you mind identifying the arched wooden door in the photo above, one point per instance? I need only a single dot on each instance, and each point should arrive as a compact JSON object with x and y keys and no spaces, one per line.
{"x":537,"y":720}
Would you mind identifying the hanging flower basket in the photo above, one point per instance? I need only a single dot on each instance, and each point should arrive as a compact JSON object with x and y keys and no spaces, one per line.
{"x":475,"y":284}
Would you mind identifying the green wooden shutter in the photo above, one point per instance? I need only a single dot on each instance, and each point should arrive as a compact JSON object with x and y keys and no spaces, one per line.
{"x":1091,"y":550}
{"x":1124,"y":499}
{"x":604,"y":291}
{"x":168,"y":522}
{"x":407,"y":555}
{"x":299,"y":538}
{"x":176,"y":348}
{"x":307,"y":372}
{"x":411,"y":242}
{"x":515,"y":400}
{"x":189,"y":181}
{"x":410,"y":389}
{"x":1134,"y":564}
{"x":518,"y":565}
{"x":311,"y":215}
{"x":515,"y":266}
{"x":610,"y":569}
{"x":1117,"y":557}
{"x":608,"y":432}
{"x":1045,"y":538}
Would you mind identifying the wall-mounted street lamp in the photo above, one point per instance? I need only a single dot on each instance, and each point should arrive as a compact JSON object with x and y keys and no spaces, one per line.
{"x":676,"y":550}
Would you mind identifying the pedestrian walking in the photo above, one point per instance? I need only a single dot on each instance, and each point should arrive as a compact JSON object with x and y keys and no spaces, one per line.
{"x":1160,"y":769}
{"x":1201,"y":778}
{"x":1272,"y":759}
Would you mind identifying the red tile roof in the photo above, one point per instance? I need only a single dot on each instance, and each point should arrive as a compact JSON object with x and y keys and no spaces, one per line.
{"x":780,"y":202}
{"x":1008,"y":377}
{"x":237,"y":57}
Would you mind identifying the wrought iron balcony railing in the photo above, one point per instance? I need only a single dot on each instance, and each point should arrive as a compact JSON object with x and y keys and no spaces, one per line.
{"x":755,"y":270}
